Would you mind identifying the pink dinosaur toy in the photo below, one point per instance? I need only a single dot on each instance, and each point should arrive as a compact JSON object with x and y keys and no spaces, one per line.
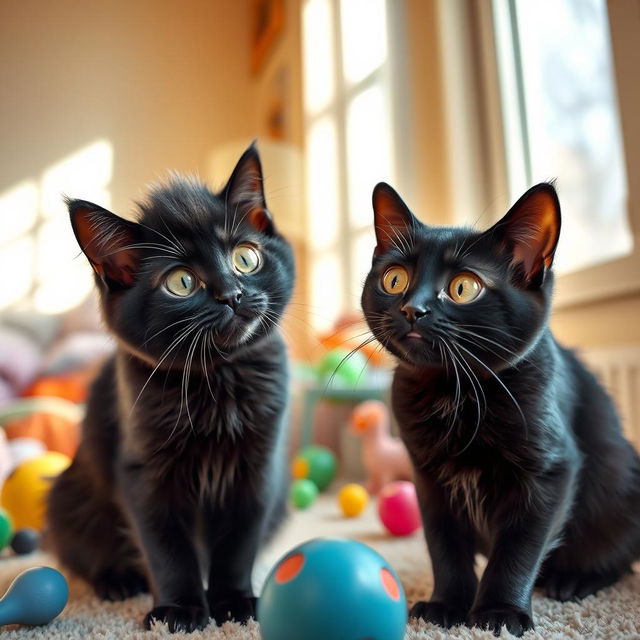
{"x":385,"y":458}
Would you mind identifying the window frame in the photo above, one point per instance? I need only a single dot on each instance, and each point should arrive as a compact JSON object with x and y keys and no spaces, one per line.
{"x":336,"y":109}
{"x":616,"y":277}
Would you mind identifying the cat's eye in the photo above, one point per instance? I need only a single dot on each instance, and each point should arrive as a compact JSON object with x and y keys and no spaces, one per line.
{"x":465,"y":287}
{"x":395,"y":280}
{"x":181,"y":282}
{"x":246,"y":258}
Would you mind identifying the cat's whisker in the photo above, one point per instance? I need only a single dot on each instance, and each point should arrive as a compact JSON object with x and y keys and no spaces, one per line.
{"x":489,"y":327}
{"x":164,"y":356}
{"x":458,"y":392}
{"x":203,"y":359}
{"x":403,"y":241}
{"x":190,"y":356}
{"x":173,"y":324}
{"x":179,"y":248}
{"x":469,"y":373}
{"x":515,"y":402}
{"x":349,"y":355}
{"x":474,"y":342}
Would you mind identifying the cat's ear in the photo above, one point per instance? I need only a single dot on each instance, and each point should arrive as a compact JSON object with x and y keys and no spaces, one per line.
{"x":529,"y":232}
{"x":392,"y":219}
{"x":244,"y":192}
{"x":107,"y":240}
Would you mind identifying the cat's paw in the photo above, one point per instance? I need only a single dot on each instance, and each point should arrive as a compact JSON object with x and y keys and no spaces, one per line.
{"x":494,"y":617}
{"x":440,"y":613}
{"x":574,"y":585}
{"x":178,"y":618}
{"x":236,"y":608}
{"x":119,"y":584}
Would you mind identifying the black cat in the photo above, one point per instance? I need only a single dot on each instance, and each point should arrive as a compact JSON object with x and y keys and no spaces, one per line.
{"x":516,"y":448}
{"x":181,"y":473}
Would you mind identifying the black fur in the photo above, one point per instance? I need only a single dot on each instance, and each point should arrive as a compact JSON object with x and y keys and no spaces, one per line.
{"x":181,"y":474}
{"x":517,"y":449}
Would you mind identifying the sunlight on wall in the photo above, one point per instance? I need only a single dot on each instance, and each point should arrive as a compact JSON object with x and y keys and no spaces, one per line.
{"x":39,"y":262}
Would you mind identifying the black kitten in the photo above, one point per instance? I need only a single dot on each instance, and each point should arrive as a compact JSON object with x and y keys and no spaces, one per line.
{"x":516,"y":448}
{"x":181,"y":473}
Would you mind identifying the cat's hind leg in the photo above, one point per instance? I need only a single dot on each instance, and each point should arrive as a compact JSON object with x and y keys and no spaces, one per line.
{"x":90,"y":535}
{"x":577,"y":584}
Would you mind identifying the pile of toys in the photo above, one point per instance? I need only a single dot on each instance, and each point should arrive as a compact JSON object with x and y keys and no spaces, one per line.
{"x":389,"y":471}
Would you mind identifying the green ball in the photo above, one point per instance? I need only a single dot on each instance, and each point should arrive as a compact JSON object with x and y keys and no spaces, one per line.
{"x":322,"y":465}
{"x":348,"y":367}
{"x":303,"y":493}
{"x":6,"y":529}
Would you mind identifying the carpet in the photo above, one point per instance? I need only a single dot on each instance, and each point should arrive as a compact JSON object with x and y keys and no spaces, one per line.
{"x":614,"y":613}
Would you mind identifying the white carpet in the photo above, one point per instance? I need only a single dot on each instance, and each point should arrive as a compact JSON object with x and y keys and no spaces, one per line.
{"x":613,"y":614}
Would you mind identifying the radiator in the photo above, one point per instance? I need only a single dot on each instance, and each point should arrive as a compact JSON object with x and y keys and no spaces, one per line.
{"x":618,"y":368}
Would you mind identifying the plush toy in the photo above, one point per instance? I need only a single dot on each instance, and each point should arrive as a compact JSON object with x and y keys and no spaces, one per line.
{"x":384,"y":457}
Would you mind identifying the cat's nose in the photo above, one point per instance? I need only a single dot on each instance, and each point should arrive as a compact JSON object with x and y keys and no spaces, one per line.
{"x":413,"y":312}
{"x":230,"y":298}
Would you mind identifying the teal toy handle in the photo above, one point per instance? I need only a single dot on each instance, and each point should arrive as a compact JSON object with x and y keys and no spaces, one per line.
{"x":35,"y":597}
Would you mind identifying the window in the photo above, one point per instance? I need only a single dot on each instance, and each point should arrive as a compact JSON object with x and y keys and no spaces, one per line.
{"x":561,"y":120}
{"x":37,"y":245}
{"x":349,"y":144}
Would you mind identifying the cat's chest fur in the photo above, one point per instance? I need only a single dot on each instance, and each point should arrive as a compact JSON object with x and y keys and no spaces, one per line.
{"x":475,"y":461}
{"x":205,"y":433}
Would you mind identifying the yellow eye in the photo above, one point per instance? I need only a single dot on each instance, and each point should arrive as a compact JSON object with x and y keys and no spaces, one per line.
{"x":181,"y":282}
{"x":246,"y":258}
{"x":465,"y":287}
{"x":395,"y":280}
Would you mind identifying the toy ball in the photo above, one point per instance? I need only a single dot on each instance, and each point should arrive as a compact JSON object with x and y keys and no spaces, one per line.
{"x":353,"y":500}
{"x":332,"y":588}
{"x":25,"y":490}
{"x":398,"y":508}
{"x":6,"y":529}
{"x":345,"y":366}
{"x":25,"y":541}
{"x":35,"y":597}
{"x":303,"y":493}
{"x":316,"y":463}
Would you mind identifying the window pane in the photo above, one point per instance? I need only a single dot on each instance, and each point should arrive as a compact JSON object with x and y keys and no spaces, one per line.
{"x":18,"y":210}
{"x":318,"y":60}
{"x":322,"y":184}
{"x":326,"y":291}
{"x":368,"y":151}
{"x":85,"y":174}
{"x":364,"y":37}
{"x":16,"y":270}
{"x":361,"y":255}
{"x":572,"y":125}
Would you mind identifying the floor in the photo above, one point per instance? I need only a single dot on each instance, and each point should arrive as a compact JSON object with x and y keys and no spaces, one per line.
{"x":613,"y":614}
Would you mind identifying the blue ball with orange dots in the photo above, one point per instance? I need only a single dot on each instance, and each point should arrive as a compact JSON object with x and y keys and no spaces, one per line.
{"x":332,"y":589}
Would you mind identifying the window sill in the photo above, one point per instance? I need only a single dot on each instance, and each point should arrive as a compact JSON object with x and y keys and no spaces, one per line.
{"x":609,"y":280}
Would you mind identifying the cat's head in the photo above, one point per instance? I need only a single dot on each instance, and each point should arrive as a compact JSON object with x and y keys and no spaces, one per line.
{"x":198,"y":270}
{"x":439,"y":295}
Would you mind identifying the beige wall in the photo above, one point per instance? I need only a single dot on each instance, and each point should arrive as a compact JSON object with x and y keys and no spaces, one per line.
{"x":162,"y":81}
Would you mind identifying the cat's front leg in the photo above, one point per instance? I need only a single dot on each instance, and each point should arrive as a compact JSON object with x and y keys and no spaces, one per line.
{"x":452,"y":549}
{"x":166,"y":526}
{"x":233,"y":537}
{"x":524,"y":531}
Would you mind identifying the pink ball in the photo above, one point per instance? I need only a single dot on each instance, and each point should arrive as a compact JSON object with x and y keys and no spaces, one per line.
{"x":398,"y":508}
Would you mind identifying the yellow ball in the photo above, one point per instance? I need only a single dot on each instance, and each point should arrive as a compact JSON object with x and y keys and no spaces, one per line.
{"x":25,"y":490}
{"x":353,"y":500}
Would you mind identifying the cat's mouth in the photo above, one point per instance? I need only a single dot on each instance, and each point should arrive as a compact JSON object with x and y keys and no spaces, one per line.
{"x":414,"y":334}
